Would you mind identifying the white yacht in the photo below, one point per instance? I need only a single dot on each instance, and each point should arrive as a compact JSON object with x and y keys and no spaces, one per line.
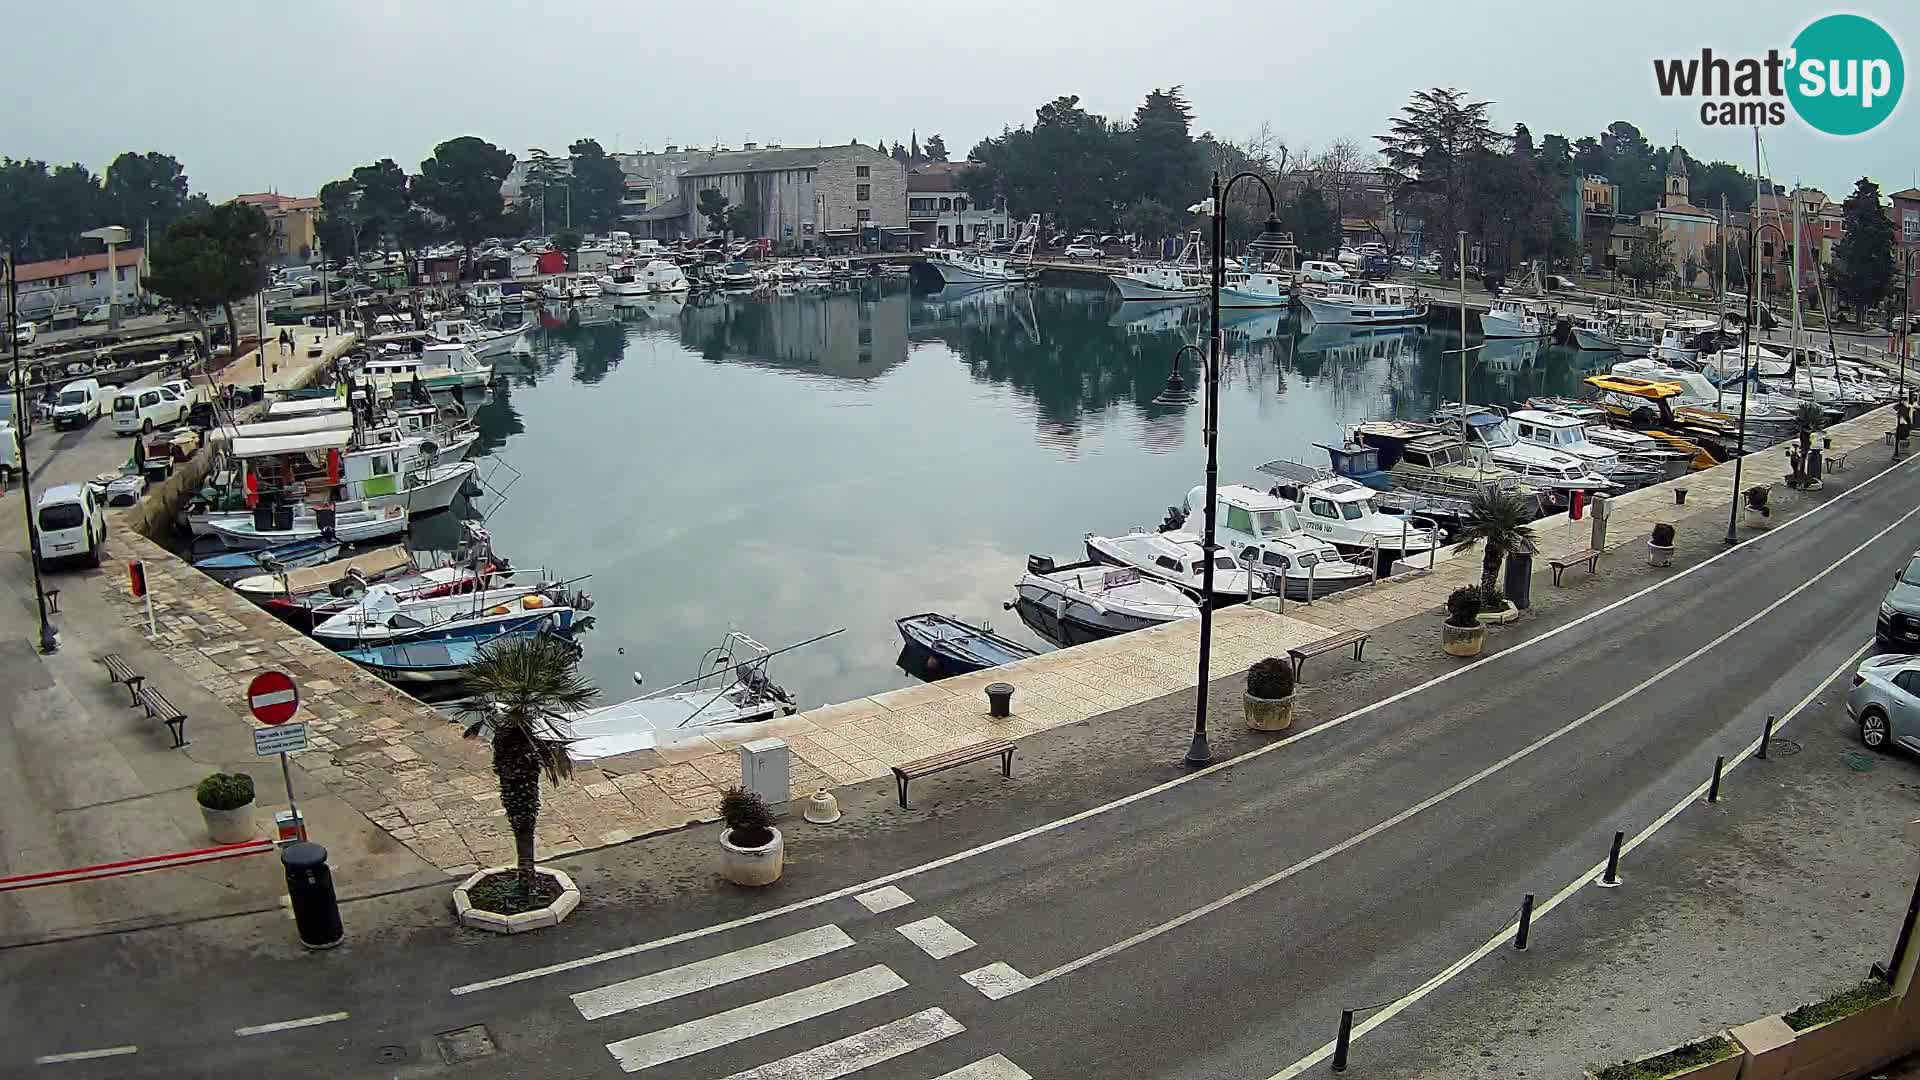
{"x":1513,"y":318}
{"x":1264,"y":535}
{"x":486,"y":294}
{"x":1563,"y":434}
{"x":1700,"y":392}
{"x":1172,"y":557}
{"x":1491,"y":441}
{"x":1365,"y":303}
{"x":1680,"y":340}
{"x":1257,"y":289}
{"x":1182,"y":279}
{"x":571,"y":287}
{"x":1595,"y":332}
{"x":1093,"y":600}
{"x":485,"y":341}
{"x":438,"y":366}
{"x":1343,"y":512}
{"x":1634,"y":334}
{"x":621,"y":283}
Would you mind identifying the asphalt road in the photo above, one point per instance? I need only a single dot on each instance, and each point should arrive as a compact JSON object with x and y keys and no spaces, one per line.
{"x":1211,"y":928}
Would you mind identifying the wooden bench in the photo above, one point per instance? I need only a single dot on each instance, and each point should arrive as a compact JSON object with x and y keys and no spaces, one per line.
{"x":1560,"y":565}
{"x":1835,"y":460}
{"x":158,"y":707}
{"x":120,"y":673}
{"x":953,"y":759}
{"x":1355,"y":638}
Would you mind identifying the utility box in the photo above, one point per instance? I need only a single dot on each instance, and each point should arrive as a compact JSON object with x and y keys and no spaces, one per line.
{"x":763,"y":769}
{"x":1602,"y":509}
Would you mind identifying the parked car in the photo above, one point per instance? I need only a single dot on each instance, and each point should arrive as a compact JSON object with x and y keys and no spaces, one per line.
{"x":1405,"y":262}
{"x":73,"y":524}
{"x":185,"y":388}
{"x":24,"y":333}
{"x":23,"y":421}
{"x":1322,"y":271}
{"x":1898,"y":627}
{"x":1077,"y":250}
{"x":1885,"y":701}
{"x":80,"y":403}
{"x":138,"y":410}
{"x":9,"y":451}
{"x":1430,"y":265}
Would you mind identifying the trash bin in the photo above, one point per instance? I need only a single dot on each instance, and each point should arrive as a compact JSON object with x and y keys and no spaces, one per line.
{"x":263,"y":517}
{"x":283,"y":517}
{"x":1519,"y":580}
{"x":316,"y":913}
{"x":323,"y":518}
{"x":259,"y":392}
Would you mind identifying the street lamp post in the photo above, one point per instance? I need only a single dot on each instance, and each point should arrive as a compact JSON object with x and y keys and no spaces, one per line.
{"x":49,"y":639}
{"x":1198,"y":753}
{"x":1746,"y":380}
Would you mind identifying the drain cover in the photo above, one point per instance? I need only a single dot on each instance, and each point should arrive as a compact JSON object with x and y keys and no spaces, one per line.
{"x":464,"y":1044}
{"x":390,"y":1055}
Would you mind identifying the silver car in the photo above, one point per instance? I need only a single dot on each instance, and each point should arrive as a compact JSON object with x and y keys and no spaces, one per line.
{"x":1885,"y":701}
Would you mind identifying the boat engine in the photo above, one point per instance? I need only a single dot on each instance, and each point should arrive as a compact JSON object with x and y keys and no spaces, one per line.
{"x":1175,"y":518}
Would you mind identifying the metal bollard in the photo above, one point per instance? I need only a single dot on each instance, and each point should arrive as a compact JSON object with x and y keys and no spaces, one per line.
{"x":1612,"y":877}
{"x":1526,"y":924}
{"x":1376,"y":560}
{"x":1713,"y":790}
{"x":1343,"y":1040}
{"x":1766,"y":737}
{"x":316,"y":912}
{"x":1312,"y":569}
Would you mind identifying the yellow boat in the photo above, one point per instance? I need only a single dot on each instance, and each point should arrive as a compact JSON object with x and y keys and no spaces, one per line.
{"x":1643,"y":404}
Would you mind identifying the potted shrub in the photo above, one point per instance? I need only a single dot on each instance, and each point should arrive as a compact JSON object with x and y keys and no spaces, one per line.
{"x":226,"y":804}
{"x":1757,"y":505}
{"x":751,"y":850}
{"x":1495,"y":608}
{"x":1660,"y":546}
{"x":1462,"y":634}
{"x":1269,"y":700}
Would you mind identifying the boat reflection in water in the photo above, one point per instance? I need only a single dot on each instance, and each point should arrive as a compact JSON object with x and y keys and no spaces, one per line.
{"x":1509,"y":356}
{"x":1340,"y":344}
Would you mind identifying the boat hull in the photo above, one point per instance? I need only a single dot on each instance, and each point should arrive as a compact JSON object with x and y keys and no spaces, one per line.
{"x":1244,"y":298}
{"x":1594,"y":342}
{"x":935,"y":647}
{"x":1130,"y":289}
{"x":238,"y":532}
{"x":1326,"y":312}
{"x":1498,"y":324}
{"x":952,"y":273}
{"x":1082,"y":616}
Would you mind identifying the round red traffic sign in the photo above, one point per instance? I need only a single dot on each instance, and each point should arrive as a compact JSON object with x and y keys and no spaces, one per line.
{"x":273,"y":697}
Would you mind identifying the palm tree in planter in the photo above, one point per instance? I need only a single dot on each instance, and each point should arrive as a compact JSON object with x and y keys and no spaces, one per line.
{"x":1497,"y":519}
{"x":518,"y":689}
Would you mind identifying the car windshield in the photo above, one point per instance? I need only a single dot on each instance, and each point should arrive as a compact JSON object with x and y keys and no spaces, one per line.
{"x":73,"y":397}
{"x":1911,"y":575}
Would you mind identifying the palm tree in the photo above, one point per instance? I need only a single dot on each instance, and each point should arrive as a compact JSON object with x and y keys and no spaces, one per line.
{"x":1499,"y":519}
{"x":518,"y":689}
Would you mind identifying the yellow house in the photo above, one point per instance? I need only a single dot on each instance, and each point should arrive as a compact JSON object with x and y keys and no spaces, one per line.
{"x":290,"y":221}
{"x":1688,"y":228}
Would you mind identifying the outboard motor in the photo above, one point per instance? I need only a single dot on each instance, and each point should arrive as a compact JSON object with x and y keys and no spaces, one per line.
{"x":1039,"y":564}
{"x":1176,"y":517}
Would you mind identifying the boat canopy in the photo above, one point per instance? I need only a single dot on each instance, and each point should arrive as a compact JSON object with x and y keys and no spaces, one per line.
{"x":307,"y":442}
{"x":1650,"y":389}
{"x":281,"y":410}
{"x":297,"y":425}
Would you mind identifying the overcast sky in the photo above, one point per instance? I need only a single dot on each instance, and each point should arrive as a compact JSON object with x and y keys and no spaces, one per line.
{"x":260,"y":94}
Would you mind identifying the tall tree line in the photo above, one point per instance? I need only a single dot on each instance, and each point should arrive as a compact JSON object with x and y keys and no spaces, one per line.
{"x":44,"y":209}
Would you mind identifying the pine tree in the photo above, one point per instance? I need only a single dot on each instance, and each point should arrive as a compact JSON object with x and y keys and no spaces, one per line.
{"x":1863,"y":261}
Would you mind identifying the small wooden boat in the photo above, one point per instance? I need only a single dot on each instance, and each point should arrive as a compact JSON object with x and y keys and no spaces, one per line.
{"x":431,"y":663}
{"x":231,"y":566}
{"x":937,"y":646}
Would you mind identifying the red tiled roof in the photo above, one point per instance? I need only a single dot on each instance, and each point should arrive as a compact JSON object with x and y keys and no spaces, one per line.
{"x":1912,"y":193}
{"x":274,"y":202}
{"x":79,"y":264}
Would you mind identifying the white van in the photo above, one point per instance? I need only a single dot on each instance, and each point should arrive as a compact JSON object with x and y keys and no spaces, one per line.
{"x":1321,"y":270}
{"x":140,"y":409}
{"x":9,"y":451}
{"x":73,"y":524}
{"x":80,"y":403}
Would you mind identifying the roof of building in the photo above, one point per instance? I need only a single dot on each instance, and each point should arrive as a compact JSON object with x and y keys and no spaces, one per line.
{"x":1912,"y":193}
{"x":797,"y":157}
{"x":274,"y":202}
{"x":79,"y":264}
{"x":1683,"y":210}
{"x":935,"y":181}
{"x":1630,"y":232}
{"x":675,"y":207}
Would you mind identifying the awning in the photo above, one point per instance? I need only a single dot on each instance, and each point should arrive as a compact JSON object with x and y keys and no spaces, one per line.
{"x":267,"y":446}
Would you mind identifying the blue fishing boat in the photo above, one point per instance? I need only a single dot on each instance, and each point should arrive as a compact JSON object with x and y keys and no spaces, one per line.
{"x":431,"y":663}
{"x":231,"y":566}
{"x":937,"y":646}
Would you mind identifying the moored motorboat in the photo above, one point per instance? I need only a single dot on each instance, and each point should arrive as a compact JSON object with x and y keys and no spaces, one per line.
{"x":1262,"y":533}
{"x":935,"y":646}
{"x":1172,"y":557}
{"x":275,"y":527}
{"x":1099,"y":600}
{"x":228,"y":567}
{"x":434,"y":663}
{"x":1365,"y":303}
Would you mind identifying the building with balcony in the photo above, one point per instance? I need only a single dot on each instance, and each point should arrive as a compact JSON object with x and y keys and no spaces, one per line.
{"x":1821,"y":225}
{"x":940,"y":212}
{"x":81,"y":283}
{"x":1596,"y":208}
{"x":290,"y":224}
{"x":1904,"y":208}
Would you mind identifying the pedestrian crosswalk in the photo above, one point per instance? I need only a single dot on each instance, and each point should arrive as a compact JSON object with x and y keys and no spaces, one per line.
{"x":825,"y":1004}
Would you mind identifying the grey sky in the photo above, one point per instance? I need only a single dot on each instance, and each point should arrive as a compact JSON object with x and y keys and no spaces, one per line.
{"x":258,"y":94}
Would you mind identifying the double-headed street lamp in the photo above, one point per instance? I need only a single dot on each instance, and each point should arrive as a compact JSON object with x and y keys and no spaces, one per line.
{"x":1198,"y":753}
{"x":49,"y":639}
{"x":1748,"y":371}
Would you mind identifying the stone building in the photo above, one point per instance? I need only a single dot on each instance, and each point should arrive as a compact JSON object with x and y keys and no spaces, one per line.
{"x":940,"y":211}
{"x":807,"y":196}
{"x":1688,"y":228}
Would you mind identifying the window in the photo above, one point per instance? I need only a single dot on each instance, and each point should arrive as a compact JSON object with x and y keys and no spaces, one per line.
{"x":151,"y":397}
{"x":1766,"y":249}
{"x":382,"y":464}
{"x":1908,"y":681}
{"x":1239,"y":520}
{"x":1274,"y":558}
{"x":920,"y":204}
{"x":123,"y":403}
{"x":93,"y":277}
{"x":862,"y":171}
{"x":946,"y":204}
{"x":866,"y":335}
{"x":808,"y":228}
{"x":122,"y":272}
{"x":1354,"y":511}
{"x":1323,"y":507}
{"x":863,"y":215}
{"x":62,"y":516}
{"x":1000,"y":232}
{"x":960,"y":205}
{"x":1167,"y":562}
{"x":862,"y":192}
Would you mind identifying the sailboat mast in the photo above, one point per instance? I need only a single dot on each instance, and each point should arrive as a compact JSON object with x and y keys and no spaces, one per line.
{"x":1463,"y":331}
{"x":1795,"y":343}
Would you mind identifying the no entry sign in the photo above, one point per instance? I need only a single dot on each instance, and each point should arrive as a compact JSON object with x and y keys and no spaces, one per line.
{"x":273,"y":697}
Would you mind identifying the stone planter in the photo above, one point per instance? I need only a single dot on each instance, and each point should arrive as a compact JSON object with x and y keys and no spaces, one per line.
{"x":1727,"y":1068}
{"x":1462,"y":640}
{"x":1269,"y":714}
{"x":1658,"y":555}
{"x":1507,"y":613}
{"x":1849,"y":1046}
{"x":551,"y":915}
{"x":233,"y":826}
{"x":752,"y":866}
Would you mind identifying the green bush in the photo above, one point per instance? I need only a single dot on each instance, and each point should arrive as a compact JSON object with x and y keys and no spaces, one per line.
{"x":1464,"y":605}
{"x":1270,"y":678}
{"x":1693,"y":1054}
{"x":748,"y":817}
{"x":1663,"y":535}
{"x":1844,"y":1003}
{"x":225,"y":791}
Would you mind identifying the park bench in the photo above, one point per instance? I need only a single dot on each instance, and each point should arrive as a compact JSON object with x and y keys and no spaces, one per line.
{"x":1589,"y":556}
{"x":158,"y":707}
{"x":1300,"y":655}
{"x":953,"y":759}
{"x":121,"y":673}
{"x":1835,"y":460}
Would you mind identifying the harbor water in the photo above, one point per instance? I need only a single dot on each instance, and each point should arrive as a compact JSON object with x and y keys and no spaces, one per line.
{"x":789,"y":465}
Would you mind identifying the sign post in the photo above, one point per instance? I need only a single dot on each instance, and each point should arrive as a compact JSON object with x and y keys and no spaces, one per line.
{"x":137,"y":584}
{"x":274,"y":699}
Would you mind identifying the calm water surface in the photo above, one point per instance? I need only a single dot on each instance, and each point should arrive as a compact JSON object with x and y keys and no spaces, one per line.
{"x":793,"y":465}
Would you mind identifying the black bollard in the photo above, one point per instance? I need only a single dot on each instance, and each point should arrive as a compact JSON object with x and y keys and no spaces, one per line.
{"x":1766,"y":737}
{"x":1526,"y":924}
{"x":1341,"y":1041}
{"x":1713,"y":790}
{"x":1612,"y":876}
{"x":316,"y":913}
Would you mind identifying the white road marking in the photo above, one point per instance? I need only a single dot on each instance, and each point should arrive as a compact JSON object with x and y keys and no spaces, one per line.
{"x":996,"y":980}
{"x":996,"y":1067}
{"x":720,"y":1029}
{"x":288,"y":1025}
{"x":1158,"y":789}
{"x":886,"y":899}
{"x":1431,"y":801}
{"x":713,"y":971}
{"x":936,"y":937}
{"x":1505,"y":936}
{"x":855,"y":1052}
{"x":85,"y":1055}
